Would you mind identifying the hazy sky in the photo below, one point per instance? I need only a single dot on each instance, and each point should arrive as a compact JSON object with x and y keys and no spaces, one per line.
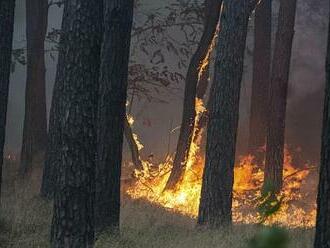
{"x":305,"y":95}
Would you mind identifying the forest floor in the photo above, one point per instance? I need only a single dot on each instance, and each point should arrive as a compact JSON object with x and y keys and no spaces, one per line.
{"x":25,"y":223}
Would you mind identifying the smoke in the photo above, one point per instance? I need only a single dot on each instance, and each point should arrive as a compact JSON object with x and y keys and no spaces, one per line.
{"x":304,"y":114}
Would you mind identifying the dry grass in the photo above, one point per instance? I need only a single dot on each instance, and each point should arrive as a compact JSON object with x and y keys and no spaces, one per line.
{"x":25,"y":221}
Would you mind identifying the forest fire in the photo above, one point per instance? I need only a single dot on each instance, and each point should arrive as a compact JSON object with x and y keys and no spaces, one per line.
{"x":297,"y":207}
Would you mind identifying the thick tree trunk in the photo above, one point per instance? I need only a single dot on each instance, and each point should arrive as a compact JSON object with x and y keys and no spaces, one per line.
{"x":322,"y":233}
{"x":261,"y":78}
{"x":189,"y":112}
{"x":216,"y":195}
{"x":75,"y":110}
{"x":278,"y":96}
{"x":35,"y":121}
{"x":132,"y":145}
{"x":7,"y":9}
{"x":112,"y":111}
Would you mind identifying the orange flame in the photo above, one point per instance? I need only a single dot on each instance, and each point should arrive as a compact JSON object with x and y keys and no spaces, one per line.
{"x":296,"y":210}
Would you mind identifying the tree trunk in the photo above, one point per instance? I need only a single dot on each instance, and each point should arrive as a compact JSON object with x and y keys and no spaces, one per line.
{"x":203,"y":119}
{"x":132,"y":145}
{"x":75,"y":110}
{"x":51,"y":157}
{"x":278,"y":96}
{"x":261,"y":78}
{"x":35,"y":121}
{"x":189,"y":112}
{"x":7,"y":9}
{"x":322,"y":234}
{"x":112,"y":111}
{"x":216,"y":195}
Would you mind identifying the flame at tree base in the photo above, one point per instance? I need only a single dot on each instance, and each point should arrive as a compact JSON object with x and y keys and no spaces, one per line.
{"x":298,"y":208}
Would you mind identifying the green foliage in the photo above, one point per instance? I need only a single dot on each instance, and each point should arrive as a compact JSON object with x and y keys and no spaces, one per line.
{"x":273,"y":237}
{"x":269,"y":203}
{"x":270,"y":237}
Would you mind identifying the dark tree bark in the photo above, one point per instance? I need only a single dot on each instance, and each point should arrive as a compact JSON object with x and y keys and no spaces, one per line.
{"x":189,"y":112}
{"x":35,"y":121}
{"x":132,"y":145}
{"x":75,"y":110}
{"x":7,"y":9}
{"x":51,"y":157}
{"x":278,"y":96}
{"x":48,"y":182}
{"x":112,"y":111}
{"x":203,"y":82}
{"x":216,"y":195}
{"x":322,"y":233}
{"x":261,"y":78}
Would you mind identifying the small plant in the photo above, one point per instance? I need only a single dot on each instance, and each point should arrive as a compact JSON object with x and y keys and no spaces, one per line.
{"x":270,"y":237}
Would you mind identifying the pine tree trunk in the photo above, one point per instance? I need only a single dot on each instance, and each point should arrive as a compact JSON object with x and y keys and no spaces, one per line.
{"x":7,"y":9}
{"x":35,"y":121}
{"x":278,"y":96}
{"x":261,"y":78}
{"x":51,"y":157}
{"x":189,"y":113}
{"x":75,"y":104}
{"x":132,"y":145}
{"x":322,"y":233}
{"x":216,"y":195}
{"x":112,"y":111}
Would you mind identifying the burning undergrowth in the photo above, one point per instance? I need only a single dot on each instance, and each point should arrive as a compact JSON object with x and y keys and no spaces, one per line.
{"x":297,"y":208}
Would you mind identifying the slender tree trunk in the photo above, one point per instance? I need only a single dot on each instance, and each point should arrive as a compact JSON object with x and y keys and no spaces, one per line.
{"x":322,"y":233}
{"x":189,"y":112}
{"x":203,"y":82}
{"x":112,"y":111}
{"x":75,"y":110}
{"x":278,"y":96}
{"x":216,"y":195}
{"x":7,"y":9}
{"x":51,"y":157}
{"x":204,"y":118}
{"x":261,"y":78}
{"x":132,"y":145}
{"x":35,"y":121}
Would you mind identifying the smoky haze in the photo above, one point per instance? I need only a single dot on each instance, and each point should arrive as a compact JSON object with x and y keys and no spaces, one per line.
{"x":305,"y":102}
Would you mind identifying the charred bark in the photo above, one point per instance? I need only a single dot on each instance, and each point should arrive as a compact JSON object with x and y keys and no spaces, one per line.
{"x":132,"y":145}
{"x":35,"y":121}
{"x":189,"y":112}
{"x":112,"y":111}
{"x":261,"y":78}
{"x":217,"y":187}
{"x":273,"y":178}
{"x":322,"y":233}
{"x":7,"y":9}
{"x":74,"y":117}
